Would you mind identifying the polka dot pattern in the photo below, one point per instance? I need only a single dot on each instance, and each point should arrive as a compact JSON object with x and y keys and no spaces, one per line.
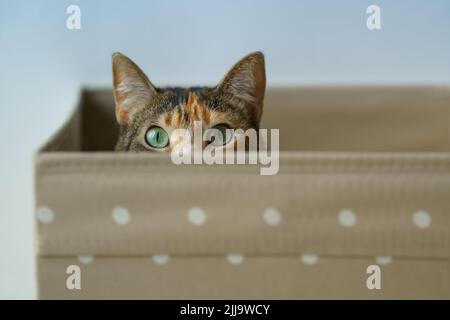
{"x":272,"y":217}
{"x":45,"y":215}
{"x":235,"y":259}
{"x":347,"y":218}
{"x":422,"y":219}
{"x":197,"y":216}
{"x":120,"y":215}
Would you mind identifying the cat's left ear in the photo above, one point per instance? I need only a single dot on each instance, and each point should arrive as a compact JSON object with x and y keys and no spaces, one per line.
{"x":246,"y":81}
{"x":132,"y":89}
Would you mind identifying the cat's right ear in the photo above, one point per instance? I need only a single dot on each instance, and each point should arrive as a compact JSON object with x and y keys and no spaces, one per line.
{"x":132,"y":89}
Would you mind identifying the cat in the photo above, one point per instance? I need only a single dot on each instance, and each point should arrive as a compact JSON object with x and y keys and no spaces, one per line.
{"x":147,"y":115}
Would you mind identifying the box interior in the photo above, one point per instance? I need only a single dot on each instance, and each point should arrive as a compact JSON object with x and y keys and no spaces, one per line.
{"x":363,"y":119}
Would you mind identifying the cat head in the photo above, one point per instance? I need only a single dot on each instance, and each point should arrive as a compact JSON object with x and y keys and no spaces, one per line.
{"x":148,"y":115}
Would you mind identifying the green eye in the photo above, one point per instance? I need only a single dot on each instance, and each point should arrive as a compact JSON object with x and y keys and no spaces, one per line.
{"x":226,"y":137}
{"x":157,"y":137}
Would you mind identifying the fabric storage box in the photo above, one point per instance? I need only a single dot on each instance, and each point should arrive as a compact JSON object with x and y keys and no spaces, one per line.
{"x":364,"y":180}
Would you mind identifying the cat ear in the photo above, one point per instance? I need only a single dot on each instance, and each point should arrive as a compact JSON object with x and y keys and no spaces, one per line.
{"x":132,"y":89}
{"x":246,"y":81}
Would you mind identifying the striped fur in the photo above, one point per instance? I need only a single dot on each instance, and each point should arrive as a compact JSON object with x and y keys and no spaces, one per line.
{"x":236,"y":101}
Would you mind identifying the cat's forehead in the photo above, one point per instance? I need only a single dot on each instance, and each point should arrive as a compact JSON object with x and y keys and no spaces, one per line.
{"x":183,"y":107}
{"x":174,"y":108}
{"x":181,"y":95}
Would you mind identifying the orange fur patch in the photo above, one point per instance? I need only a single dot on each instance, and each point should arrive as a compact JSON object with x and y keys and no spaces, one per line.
{"x":168,"y":119}
{"x":196,"y":110}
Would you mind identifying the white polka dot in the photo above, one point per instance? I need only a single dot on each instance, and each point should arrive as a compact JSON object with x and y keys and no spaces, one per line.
{"x":422,"y":219}
{"x":45,"y":215}
{"x":347,"y":218}
{"x":383,"y":260}
{"x":235,"y":259}
{"x":85,"y":259}
{"x":309,"y":259}
{"x":160,"y":259}
{"x":197,"y":216}
{"x":121,"y":215}
{"x":272,"y":216}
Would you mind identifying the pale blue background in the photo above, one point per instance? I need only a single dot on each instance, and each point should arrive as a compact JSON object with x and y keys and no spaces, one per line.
{"x":43,"y":64}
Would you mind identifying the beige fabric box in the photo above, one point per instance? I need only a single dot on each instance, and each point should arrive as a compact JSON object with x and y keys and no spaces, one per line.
{"x":364,"y":180}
